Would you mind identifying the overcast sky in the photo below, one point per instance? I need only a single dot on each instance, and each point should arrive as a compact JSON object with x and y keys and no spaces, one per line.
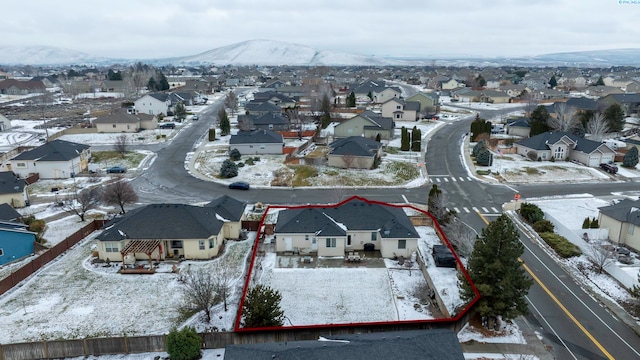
{"x":427,"y":28}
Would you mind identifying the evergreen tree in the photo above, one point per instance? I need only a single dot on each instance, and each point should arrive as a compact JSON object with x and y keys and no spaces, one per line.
{"x":479,"y":146}
{"x":351,"y":100}
{"x":325,"y":106}
{"x":553,"y":82}
{"x":531,"y":212}
{"x":586,"y":223}
{"x":262,"y":307}
{"x":538,"y":121}
{"x":183,"y":344}
{"x":594,"y":224}
{"x":225,"y":125}
{"x":405,"y":140}
{"x":235,"y":155}
{"x":212,"y":134}
{"x":163,"y":84}
{"x":415,"y":139}
{"x":496,"y":272}
{"x":228,"y":169}
{"x":484,"y":157}
{"x":600,"y":81}
{"x":630,"y":159}
{"x":614,"y":115}
{"x":378,"y":137}
{"x":325,"y":120}
{"x":181,"y":111}
{"x":152,"y":85}
{"x":479,"y":126}
{"x":370,"y":95}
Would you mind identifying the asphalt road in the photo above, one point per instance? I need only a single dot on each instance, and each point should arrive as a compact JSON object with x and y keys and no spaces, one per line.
{"x":569,"y":319}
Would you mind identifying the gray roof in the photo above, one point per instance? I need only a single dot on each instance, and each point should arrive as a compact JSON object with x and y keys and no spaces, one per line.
{"x":7,"y":213}
{"x":228,"y":207}
{"x":625,"y":211}
{"x":163,"y":221}
{"x":260,"y":136}
{"x":520,"y":122}
{"x":270,"y":118}
{"x":582,"y":103}
{"x":354,"y":145}
{"x":626,"y":98}
{"x":117,"y":118}
{"x":412,"y":105}
{"x":406,"y":345}
{"x":377,"y":121}
{"x":160,"y":96}
{"x":355,"y":214}
{"x":56,"y":150}
{"x":10,"y":184}
{"x":254,"y":106}
{"x":544,"y":140}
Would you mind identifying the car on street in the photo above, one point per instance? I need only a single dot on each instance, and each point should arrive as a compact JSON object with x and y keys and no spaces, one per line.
{"x":239,"y":185}
{"x":117,"y":170}
{"x":167,"y":126}
{"x":195,"y":118}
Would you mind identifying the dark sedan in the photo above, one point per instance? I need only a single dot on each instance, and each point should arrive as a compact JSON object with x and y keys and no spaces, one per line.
{"x":239,"y":185}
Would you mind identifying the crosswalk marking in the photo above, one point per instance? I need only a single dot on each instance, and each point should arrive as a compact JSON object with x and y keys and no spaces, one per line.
{"x":456,"y":210}
{"x":461,"y":178}
{"x":466,"y":210}
{"x":438,"y":179}
{"x":495,"y":210}
{"x":453,"y":179}
{"x":475,"y":209}
{"x":470,"y":179}
{"x":484,"y":209}
{"x":446,"y":180}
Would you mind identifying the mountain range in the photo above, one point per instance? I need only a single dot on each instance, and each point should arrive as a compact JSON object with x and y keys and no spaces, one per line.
{"x":271,"y":53}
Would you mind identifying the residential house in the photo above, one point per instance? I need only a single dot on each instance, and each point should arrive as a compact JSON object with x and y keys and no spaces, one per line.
{"x":232,"y":212}
{"x":629,"y":102}
{"x":348,"y":226}
{"x":622,"y":219}
{"x":450,"y":84}
{"x":428,"y":101}
{"x":563,"y":146}
{"x":548,"y":94}
{"x":18,"y":87}
{"x":187,"y":98}
{"x":602,"y":90}
{"x":519,"y":127}
{"x":280,"y":100}
{"x":57,"y":159}
{"x":120,"y":121}
{"x":274,"y":84}
{"x":13,"y":190}
{"x":153,"y":104}
{"x":386,"y":94}
{"x":256,"y":142}
{"x":261,"y":108}
{"x":268,"y":121}
{"x":583,"y":104}
{"x":5,"y":124}
{"x":485,"y":96}
{"x":428,"y":344}
{"x":398,"y":109}
{"x":353,"y":152}
{"x":7,"y":213}
{"x":514,"y":90}
{"x":16,"y":242}
{"x":367,"y":124}
{"x":161,"y":231}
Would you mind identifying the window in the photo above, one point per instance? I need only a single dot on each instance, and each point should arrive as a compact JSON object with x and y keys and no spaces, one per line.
{"x":1,"y":252}
{"x":201,"y":244}
{"x":111,"y":247}
{"x":270,"y":126}
{"x":306,"y":238}
{"x":21,"y":164}
{"x":331,"y":242}
{"x":176,"y":244}
{"x":559,"y":153}
{"x":631,"y":228}
{"x":212,"y":243}
{"x":402,"y":244}
{"x":398,"y":116}
{"x":114,"y":125}
{"x":374,"y":236}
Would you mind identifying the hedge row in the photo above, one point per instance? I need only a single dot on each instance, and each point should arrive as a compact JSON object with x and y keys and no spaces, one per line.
{"x":563,"y":247}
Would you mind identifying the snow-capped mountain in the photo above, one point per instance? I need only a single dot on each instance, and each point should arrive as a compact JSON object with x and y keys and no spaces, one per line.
{"x":45,"y":55}
{"x":267,"y":52}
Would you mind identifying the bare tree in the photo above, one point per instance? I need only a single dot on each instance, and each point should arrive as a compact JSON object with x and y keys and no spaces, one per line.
{"x":597,"y":127}
{"x":231,"y":102}
{"x":120,"y":193}
{"x":348,"y":160}
{"x":565,"y":120}
{"x":121,"y":144}
{"x":461,"y":236}
{"x":224,"y":275}
{"x":198,"y":292}
{"x":601,"y":256}
{"x":80,"y":203}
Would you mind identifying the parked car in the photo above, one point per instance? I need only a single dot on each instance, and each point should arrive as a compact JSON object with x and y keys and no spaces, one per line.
{"x":117,"y":170}
{"x":167,"y":126}
{"x":195,"y":118}
{"x":239,"y":185}
{"x":610,"y":168}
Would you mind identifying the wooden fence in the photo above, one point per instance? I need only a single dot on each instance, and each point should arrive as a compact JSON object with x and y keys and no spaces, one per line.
{"x":25,"y":271}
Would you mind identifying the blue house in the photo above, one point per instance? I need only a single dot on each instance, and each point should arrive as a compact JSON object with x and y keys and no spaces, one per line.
{"x":15,"y":241}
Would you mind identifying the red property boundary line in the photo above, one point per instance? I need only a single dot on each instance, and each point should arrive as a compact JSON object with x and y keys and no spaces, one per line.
{"x":443,"y":237}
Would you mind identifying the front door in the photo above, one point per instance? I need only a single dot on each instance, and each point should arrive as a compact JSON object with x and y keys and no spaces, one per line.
{"x":314,"y":244}
{"x":288,"y":244}
{"x":348,"y":240}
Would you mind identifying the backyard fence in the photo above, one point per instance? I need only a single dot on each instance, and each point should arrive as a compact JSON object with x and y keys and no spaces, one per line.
{"x":34,"y":265}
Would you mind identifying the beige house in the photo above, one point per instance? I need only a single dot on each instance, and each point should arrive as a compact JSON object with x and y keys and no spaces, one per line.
{"x":354,"y":152}
{"x":354,"y":225}
{"x":398,"y":109}
{"x":450,"y":84}
{"x":565,"y":146}
{"x":193,"y":232}
{"x":622,"y":219}
{"x":367,"y":124}
{"x":123,"y":122}
{"x":387,"y":94}
{"x":13,"y":191}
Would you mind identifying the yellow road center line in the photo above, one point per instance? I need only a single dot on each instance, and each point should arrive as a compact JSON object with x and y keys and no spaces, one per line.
{"x":555,"y":299}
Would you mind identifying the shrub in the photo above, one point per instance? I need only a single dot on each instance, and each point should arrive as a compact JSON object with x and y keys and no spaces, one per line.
{"x":586,"y":223}
{"x":531,"y":213}
{"x":240,"y":164}
{"x":212,"y":134}
{"x":228,"y":169}
{"x":630,"y":159}
{"x":594,"y":224}
{"x":235,"y":155}
{"x":479,"y":146}
{"x":543,"y":225}
{"x":183,"y":344}
{"x":563,"y":247}
{"x":249,"y":161}
{"x":484,"y":157}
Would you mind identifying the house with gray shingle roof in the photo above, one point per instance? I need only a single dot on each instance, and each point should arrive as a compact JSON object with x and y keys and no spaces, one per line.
{"x":629,"y":102}
{"x":257,"y":142}
{"x":367,"y":124}
{"x":121,"y":121}
{"x":161,"y":231}
{"x":563,"y":146}
{"x":622,"y":219}
{"x":57,"y":159}
{"x":153,"y":104}
{"x":13,"y":190}
{"x":353,"y":152}
{"x":258,"y":108}
{"x":519,"y":127}
{"x":399,"y":109}
{"x":349,"y":226}
{"x":7,"y":213}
